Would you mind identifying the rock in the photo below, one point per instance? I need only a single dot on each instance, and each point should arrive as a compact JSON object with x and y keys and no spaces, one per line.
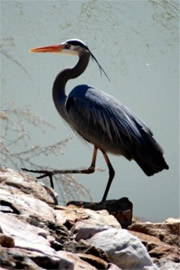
{"x":113,"y":267}
{"x":121,"y":209}
{"x":27,"y":206}
{"x":85,"y":229}
{"x":93,"y":222}
{"x":93,"y":260}
{"x":20,"y":183}
{"x":14,"y":259}
{"x":35,"y":233}
{"x":158,"y":249}
{"x":69,"y":215}
{"x":167,"y":231}
{"x":123,"y":249}
{"x":25,"y":235}
{"x":162,"y":240}
{"x":84,"y":247}
{"x":73,"y":262}
{"x":20,"y":194}
{"x":60,"y":236}
{"x":164,"y":264}
{"x":74,"y":215}
{"x":6,"y":241}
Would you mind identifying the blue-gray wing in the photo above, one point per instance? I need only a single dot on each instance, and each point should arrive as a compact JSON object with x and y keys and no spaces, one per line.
{"x":103,"y":121}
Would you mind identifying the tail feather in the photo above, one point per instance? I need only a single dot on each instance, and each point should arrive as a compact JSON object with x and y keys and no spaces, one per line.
{"x":150,"y":156}
{"x":152,"y":167}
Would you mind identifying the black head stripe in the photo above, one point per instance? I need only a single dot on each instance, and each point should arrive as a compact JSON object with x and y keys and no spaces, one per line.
{"x":76,"y":42}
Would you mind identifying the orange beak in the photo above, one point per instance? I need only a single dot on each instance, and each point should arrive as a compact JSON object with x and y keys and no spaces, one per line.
{"x":48,"y":49}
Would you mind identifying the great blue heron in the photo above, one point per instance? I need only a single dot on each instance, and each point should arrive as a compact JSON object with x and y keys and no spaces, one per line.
{"x":101,"y":119}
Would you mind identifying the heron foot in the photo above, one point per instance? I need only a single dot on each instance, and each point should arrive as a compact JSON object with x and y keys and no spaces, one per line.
{"x":50,"y":174}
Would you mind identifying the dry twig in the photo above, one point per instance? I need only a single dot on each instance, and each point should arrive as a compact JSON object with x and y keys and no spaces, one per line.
{"x":14,"y":141}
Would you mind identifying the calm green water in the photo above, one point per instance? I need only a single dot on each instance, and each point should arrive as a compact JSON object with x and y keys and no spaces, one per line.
{"x":136,"y":42}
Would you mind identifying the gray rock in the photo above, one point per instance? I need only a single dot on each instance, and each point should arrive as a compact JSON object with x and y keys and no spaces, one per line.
{"x":27,"y":205}
{"x":73,"y":214}
{"x":22,"y":195}
{"x":71,"y":261}
{"x":36,"y":234}
{"x":123,"y":249}
{"x":86,"y":230}
{"x":121,"y":209}
{"x":20,"y":183}
{"x":167,"y":231}
{"x":25,"y":235}
{"x":113,"y":267}
{"x":165,"y":264}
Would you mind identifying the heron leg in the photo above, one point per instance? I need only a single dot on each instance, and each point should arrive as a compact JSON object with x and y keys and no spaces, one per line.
{"x":111,"y":175}
{"x":91,"y":169}
{"x":45,"y":173}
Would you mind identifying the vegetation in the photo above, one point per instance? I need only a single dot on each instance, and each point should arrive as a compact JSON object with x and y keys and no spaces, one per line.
{"x":16,"y":151}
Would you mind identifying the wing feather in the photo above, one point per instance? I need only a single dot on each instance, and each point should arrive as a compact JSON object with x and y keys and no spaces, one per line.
{"x":103,"y":121}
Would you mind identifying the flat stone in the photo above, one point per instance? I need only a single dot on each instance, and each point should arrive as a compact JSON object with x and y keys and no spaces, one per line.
{"x":93,"y":260}
{"x":121,"y":209}
{"x":25,"y":235}
{"x":74,"y":214}
{"x":157,"y":248}
{"x":27,"y":205}
{"x":167,"y":231}
{"x":18,"y":182}
{"x":15,"y":259}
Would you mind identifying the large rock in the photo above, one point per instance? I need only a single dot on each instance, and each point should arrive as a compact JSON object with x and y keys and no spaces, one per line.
{"x":158,"y":249}
{"x":123,"y":249}
{"x":20,"y":183}
{"x":165,"y":264}
{"x":73,"y":262}
{"x":162,"y":240}
{"x":75,"y":215}
{"x":121,"y":209}
{"x":35,"y":233}
{"x":167,"y":231}
{"x":25,"y":205}
{"x":25,"y":196}
{"x":25,"y":236}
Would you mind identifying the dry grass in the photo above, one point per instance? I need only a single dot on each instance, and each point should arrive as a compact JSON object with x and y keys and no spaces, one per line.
{"x":16,"y":151}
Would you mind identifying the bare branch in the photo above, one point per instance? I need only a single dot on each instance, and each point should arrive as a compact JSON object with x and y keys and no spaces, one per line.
{"x":15,"y":154}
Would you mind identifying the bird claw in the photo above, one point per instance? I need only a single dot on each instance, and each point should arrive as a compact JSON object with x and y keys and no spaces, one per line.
{"x":42,"y":176}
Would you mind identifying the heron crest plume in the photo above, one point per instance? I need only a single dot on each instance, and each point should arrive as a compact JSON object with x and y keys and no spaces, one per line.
{"x":80,"y":43}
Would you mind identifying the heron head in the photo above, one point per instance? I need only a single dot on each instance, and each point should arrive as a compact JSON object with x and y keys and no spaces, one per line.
{"x":71,"y":46}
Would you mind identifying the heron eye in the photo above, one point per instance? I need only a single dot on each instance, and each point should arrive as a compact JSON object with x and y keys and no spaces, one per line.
{"x":68,"y":46}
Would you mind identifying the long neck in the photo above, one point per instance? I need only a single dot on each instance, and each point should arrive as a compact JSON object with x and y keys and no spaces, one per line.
{"x":70,"y":73}
{"x":59,"y":95}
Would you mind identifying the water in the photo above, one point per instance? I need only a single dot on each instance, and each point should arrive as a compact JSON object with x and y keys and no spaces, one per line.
{"x":136,"y":42}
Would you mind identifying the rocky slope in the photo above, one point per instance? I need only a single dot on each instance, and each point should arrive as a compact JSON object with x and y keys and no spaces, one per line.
{"x":36,"y":233}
